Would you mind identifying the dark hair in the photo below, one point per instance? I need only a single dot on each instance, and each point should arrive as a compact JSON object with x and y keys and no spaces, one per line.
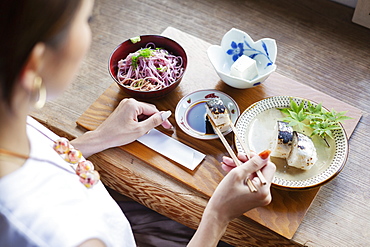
{"x":24,"y":23}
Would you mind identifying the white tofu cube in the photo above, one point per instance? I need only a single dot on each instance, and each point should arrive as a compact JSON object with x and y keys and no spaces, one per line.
{"x":244,"y":67}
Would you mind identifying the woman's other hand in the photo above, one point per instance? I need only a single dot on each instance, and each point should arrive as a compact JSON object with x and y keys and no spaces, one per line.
{"x":233,"y":197}
{"x":130,"y":120}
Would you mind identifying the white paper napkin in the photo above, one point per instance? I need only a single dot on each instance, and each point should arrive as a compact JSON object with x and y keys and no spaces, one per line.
{"x":172,"y":149}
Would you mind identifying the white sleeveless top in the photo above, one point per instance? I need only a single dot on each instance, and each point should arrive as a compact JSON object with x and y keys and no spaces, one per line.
{"x":42,"y":204}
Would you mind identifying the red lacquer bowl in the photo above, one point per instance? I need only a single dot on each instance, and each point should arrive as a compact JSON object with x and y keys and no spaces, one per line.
{"x":127,"y":47}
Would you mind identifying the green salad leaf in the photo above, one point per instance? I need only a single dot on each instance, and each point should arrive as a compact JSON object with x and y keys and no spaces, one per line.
{"x":321,"y":121}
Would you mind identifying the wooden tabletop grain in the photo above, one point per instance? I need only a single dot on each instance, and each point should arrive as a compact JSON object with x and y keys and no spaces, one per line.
{"x":318,"y":45}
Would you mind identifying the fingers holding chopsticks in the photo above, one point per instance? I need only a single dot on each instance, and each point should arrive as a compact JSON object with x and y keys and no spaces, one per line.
{"x":256,"y":163}
{"x":233,"y":195}
{"x":228,"y":163}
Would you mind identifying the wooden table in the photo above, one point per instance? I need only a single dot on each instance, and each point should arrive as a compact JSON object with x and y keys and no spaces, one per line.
{"x":315,"y":41}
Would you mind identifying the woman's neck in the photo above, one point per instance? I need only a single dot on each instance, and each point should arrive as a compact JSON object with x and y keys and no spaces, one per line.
{"x":13,"y":137}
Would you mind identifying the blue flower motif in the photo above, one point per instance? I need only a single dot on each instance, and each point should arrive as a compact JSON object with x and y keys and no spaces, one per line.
{"x":257,"y":52}
{"x":236,"y":50}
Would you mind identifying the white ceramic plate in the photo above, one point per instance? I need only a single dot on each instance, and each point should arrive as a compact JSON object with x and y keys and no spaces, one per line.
{"x":190,"y":113}
{"x":254,"y":126}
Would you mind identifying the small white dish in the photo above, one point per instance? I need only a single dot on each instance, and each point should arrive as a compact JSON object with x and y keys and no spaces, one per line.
{"x":190,"y":113}
{"x":236,"y":43}
{"x":254,"y":127}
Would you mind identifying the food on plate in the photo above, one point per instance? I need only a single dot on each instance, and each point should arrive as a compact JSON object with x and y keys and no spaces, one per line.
{"x":297,"y":148}
{"x":282,"y":142}
{"x":244,"y":67}
{"x":149,"y":69}
{"x":303,"y":154}
{"x":256,"y":126}
{"x":218,"y":113}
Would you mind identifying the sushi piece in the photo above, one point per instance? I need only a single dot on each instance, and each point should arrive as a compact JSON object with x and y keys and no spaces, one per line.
{"x":281,"y":144}
{"x":218,"y":112}
{"x":303,"y":154}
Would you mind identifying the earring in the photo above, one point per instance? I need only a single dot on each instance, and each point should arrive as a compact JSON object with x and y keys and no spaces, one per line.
{"x":42,"y":92}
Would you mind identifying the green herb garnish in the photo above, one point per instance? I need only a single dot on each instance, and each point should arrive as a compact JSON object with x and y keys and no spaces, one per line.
{"x":135,"y":39}
{"x":146,"y":52}
{"x":321,"y":121}
{"x":162,"y":69}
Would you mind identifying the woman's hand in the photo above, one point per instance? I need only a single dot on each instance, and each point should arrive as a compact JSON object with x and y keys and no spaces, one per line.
{"x":228,"y":164}
{"x":233,"y":197}
{"x":130,"y":120}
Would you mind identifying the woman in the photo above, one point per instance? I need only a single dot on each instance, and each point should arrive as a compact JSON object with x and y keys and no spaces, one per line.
{"x":43,"y":200}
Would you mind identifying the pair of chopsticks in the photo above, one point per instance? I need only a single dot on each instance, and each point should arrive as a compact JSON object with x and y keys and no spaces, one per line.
{"x":252,"y":188}
{"x":247,"y":152}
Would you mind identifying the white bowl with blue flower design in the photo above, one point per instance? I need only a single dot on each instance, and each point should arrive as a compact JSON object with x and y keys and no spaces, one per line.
{"x":236,"y":43}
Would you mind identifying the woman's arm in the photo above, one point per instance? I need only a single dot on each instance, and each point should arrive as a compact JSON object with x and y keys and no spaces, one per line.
{"x":209,"y":232}
{"x":232,"y":198}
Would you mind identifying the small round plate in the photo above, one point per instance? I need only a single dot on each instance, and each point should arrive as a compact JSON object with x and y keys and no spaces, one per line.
{"x":190,"y":113}
{"x":255,"y":127}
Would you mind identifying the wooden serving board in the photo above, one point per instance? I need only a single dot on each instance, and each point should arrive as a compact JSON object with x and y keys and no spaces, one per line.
{"x":288,"y":208}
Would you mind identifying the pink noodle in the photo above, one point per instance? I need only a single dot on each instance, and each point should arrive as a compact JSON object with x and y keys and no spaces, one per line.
{"x":146,"y":76}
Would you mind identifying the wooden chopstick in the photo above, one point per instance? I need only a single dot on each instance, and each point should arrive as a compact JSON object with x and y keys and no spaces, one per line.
{"x":247,"y":152}
{"x":251,"y":186}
